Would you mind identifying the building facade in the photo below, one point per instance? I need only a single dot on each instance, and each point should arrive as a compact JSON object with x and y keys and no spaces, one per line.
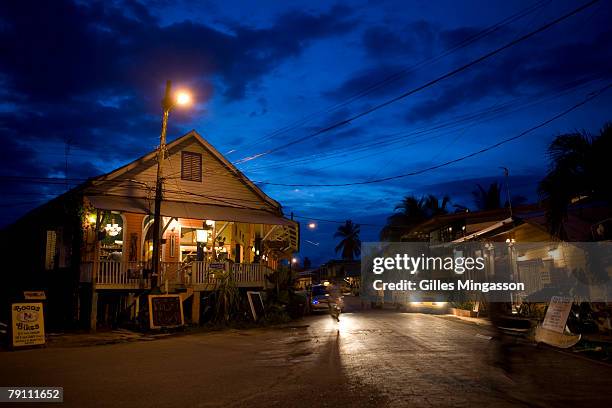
{"x":91,"y":248}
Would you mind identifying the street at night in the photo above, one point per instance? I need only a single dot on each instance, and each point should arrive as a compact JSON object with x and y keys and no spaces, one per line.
{"x":370,"y":358}
{"x":305,"y":203}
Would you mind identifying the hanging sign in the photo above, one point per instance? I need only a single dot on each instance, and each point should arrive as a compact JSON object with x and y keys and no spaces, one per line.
{"x":34,"y":295}
{"x":27,"y":324}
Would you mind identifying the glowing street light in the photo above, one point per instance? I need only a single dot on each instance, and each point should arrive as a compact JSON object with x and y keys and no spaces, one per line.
{"x":183,"y":98}
{"x":312,"y":225}
{"x":294,"y":260}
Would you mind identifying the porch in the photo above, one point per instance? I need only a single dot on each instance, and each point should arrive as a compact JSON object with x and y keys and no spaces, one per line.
{"x":199,"y":275}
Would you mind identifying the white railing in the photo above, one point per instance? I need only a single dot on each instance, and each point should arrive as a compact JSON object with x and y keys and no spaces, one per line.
{"x":244,"y":274}
{"x":176,"y":273}
{"x":136,"y":275}
{"x":248,"y":273}
{"x":122,"y":274}
{"x":201,"y":273}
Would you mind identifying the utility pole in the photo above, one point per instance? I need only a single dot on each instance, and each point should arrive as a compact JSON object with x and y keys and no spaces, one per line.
{"x":67,"y":143}
{"x":159,"y":185}
{"x":506,"y":174}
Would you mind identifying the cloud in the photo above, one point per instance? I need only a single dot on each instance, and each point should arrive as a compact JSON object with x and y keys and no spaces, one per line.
{"x":63,"y":49}
{"x":263,"y":107}
{"x":366,"y":80}
{"x":94,"y":72}
{"x":413,"y":39}
{"x":516,"y":73}
{"x":541,"y":63}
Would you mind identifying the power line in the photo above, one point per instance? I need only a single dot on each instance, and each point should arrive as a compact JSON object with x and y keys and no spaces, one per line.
{"x":424,"y":86}
{"x":398,"y":75}
{"x":486,"y":149}
{"x":400,"y":138}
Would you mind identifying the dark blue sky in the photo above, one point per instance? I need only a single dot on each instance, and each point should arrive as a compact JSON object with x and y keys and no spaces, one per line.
{"x":93,"y":74}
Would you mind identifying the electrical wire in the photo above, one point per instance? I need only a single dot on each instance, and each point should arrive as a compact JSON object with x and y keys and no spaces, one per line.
{"x":400,"y":138}
{"x":400,"y":74}
{"x":459,"y":159}
{"x":424,"y":86}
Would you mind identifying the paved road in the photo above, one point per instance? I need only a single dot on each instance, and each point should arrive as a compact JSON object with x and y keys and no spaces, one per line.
{"x":373,"y":358}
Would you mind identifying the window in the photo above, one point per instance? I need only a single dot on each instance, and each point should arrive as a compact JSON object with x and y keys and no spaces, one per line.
{"x":50,"y":249}
{"x":191,"y":166}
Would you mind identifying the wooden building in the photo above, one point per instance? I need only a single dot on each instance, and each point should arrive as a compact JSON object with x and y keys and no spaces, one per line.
{"x":90,"y":249}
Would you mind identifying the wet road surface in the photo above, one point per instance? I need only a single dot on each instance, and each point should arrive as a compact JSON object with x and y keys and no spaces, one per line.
{"x":370,"y":358}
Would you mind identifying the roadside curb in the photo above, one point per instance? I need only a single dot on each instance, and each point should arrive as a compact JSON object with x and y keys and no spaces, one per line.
{"x":474,"y":321}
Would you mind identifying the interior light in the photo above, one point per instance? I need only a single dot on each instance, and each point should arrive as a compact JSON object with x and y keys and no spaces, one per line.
{"x":201,"y":236}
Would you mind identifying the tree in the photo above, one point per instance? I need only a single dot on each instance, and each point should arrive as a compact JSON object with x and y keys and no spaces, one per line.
{"x":490,"y":199}
{"x":411,"y":212}
{"x":487,"y":199}
{"x":579,"y":170}
{"x":350,"y":244}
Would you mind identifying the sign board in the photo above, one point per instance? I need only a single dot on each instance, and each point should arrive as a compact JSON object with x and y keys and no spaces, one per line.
{"x":557,"y":313}
{"x":216,"y":269}
{"x":34,"y":295}
{"x":165,"y":311}
{"x":27,"y":324}
{"x":256,"y":303}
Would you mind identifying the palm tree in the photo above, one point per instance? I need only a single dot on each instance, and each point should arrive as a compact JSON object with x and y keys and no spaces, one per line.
{"x":488,"y":199}
{"x":350,"y":244}
{"x":411,"y":212}
{"x":579,"y":170}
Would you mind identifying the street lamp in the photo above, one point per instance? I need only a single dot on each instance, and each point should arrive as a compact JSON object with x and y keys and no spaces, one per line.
{"x":312,"y":225}
{"x":292,"y":262}
{"x":181,"y":98}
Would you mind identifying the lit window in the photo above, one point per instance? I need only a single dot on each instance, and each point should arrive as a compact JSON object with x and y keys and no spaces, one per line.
{"x":50,"y":250}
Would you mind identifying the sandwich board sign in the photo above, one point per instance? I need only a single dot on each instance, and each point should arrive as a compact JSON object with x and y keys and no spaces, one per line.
{"x":27,"y":324}
{"x":256,"y":303}
{"x":165,"y":311}
{"x":557,"y":314}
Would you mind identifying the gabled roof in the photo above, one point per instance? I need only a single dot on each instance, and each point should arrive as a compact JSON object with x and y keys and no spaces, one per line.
{"x":192,"y":134}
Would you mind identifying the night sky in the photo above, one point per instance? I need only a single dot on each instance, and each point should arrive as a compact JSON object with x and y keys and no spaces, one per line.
{"x":86,"y":79}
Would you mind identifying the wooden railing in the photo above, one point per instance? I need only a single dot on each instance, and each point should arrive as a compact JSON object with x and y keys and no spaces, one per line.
{"x":202,"y":274}
{"x":136,"y":275}
{"x":123,"y":275}
{"x":176,"y":273}
{"x":249,"y":273}
{"x":245,"y":275}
